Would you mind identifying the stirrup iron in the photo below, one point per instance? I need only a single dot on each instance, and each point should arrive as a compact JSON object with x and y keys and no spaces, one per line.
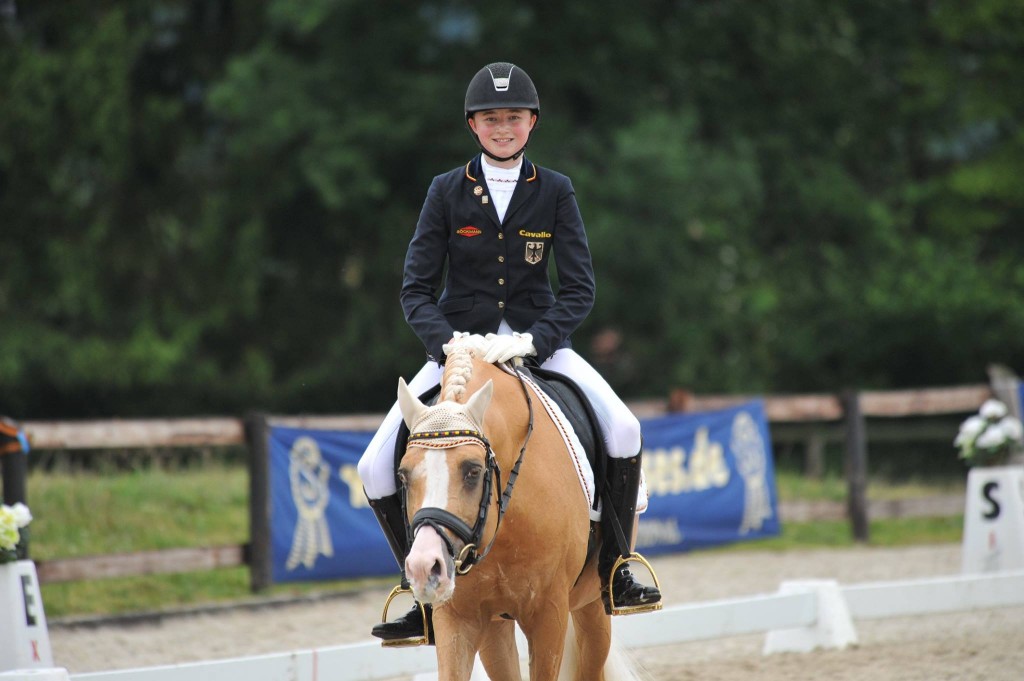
{"x":634,"y":609}
{"x":404,"y":642}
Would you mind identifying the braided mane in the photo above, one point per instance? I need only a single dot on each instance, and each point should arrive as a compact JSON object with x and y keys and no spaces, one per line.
{"x":458,"y":369}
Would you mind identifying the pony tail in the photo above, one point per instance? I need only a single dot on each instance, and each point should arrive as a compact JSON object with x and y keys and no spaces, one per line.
{"x":619,"y":666}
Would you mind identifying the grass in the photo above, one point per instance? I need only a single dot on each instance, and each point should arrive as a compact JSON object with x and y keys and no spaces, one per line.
{"x":84,"y":514}
{"x":794,"y":487}
{"x":836,"y":534}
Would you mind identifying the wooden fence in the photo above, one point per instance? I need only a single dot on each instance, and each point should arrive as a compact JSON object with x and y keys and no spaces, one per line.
{"x":848,"y":412}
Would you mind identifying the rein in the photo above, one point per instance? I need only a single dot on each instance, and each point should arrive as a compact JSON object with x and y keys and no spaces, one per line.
{"x":439,"y":518}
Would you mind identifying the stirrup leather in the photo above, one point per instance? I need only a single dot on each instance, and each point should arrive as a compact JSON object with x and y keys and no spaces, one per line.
{"x":404,"y":642}
{"x":631,"y":609}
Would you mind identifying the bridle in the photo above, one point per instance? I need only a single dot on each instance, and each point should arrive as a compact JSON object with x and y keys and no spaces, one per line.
{"x":441,"y":519}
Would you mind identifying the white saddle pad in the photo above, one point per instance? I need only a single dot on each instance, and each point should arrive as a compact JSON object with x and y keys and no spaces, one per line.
{"x":577,"y":454}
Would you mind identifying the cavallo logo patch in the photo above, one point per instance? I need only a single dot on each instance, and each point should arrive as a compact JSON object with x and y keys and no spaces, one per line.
{"x":468,"y":230}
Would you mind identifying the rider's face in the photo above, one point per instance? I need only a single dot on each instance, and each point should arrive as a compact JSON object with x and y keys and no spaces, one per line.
{"x":503,"y":132}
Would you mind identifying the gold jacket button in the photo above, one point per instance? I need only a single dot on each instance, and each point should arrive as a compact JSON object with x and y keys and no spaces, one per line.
{"x":501,"y":304}
{"x":501,"y":282}
{"x":501,"y":258}
{"x":501,"y":235}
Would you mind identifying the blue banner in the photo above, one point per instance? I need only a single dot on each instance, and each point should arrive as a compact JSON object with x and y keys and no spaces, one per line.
{"x":320,"y":524}
{"x":710,"y":479}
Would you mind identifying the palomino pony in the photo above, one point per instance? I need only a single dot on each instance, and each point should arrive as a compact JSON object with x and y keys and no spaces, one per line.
{"x":492,"y":495}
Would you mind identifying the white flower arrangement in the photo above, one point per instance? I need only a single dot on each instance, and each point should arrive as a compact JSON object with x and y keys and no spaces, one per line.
{"x":13,"y":519}
{"x":990,"y":436}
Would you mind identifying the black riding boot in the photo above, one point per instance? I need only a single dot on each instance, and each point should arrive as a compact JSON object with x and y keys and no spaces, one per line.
{"x":627,"y":595}
{"x":409,"y":629}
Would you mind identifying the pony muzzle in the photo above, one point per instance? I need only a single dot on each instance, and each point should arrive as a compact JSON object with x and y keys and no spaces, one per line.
{"x":430,"y":568}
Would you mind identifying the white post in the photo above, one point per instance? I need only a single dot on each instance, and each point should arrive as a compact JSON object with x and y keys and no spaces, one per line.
{"x":24,"y":638}
{"x":994,"y":519}
{"x":833,"y":628}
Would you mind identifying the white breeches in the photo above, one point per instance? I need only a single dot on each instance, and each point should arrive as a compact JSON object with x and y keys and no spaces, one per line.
{"x":620,"y":427}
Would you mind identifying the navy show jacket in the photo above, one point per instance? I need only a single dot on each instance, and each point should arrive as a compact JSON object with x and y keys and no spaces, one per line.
{"x":498,"y":270}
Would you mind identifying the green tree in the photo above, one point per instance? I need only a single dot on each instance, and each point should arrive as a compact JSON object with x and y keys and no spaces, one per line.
{"x":205,"y":206}
{"x":116,"y":275}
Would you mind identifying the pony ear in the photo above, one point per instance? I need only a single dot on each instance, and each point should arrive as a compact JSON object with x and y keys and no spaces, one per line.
{"x":409,"y":404}
{"x":477,"y":404}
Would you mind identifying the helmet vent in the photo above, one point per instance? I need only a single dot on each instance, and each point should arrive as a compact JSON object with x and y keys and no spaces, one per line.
{"x":501,"y":75}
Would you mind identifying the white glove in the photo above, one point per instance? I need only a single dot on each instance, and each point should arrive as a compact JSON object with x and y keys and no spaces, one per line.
{"x":477,"y":344}
{"x":504,"y":348}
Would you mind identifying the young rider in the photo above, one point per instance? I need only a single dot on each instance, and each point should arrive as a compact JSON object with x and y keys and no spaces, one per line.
{"x":495,"y":223}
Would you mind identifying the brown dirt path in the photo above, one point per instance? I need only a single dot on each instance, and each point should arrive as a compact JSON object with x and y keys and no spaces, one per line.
{"x":985,"y":645}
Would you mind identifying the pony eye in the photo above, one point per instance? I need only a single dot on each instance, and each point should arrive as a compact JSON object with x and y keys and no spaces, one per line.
{"x":471,"y":473}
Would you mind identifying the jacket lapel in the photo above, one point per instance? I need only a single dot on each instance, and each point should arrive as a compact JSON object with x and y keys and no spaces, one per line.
{"x":476,"y":186}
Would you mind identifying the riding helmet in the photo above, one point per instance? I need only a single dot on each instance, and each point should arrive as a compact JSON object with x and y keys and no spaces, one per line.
{"x":501,"y":85}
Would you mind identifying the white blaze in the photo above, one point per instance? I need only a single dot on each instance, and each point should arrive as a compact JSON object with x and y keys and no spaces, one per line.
{"x":428,"y":551}
{"x":435,"y":467}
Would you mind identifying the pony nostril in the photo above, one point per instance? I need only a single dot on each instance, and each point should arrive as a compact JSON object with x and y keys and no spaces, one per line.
{"x":435,"y":571}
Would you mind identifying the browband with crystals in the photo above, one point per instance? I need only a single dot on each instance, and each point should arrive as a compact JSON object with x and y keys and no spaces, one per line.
{"x":434,"y":434}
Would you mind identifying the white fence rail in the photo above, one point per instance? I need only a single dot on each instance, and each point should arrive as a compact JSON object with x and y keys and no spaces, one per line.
{"x":930,"y":596}
{"x":717,"y":619}
{"x":769,"y":613}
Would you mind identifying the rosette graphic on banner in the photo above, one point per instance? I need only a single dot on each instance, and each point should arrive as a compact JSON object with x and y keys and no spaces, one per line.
{"x":752,"y":462}
{"x":309,"y":473}
{"x":711,"y":479}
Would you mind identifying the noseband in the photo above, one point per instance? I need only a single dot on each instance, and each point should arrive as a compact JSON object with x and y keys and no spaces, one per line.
{"x":439,"y":518}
